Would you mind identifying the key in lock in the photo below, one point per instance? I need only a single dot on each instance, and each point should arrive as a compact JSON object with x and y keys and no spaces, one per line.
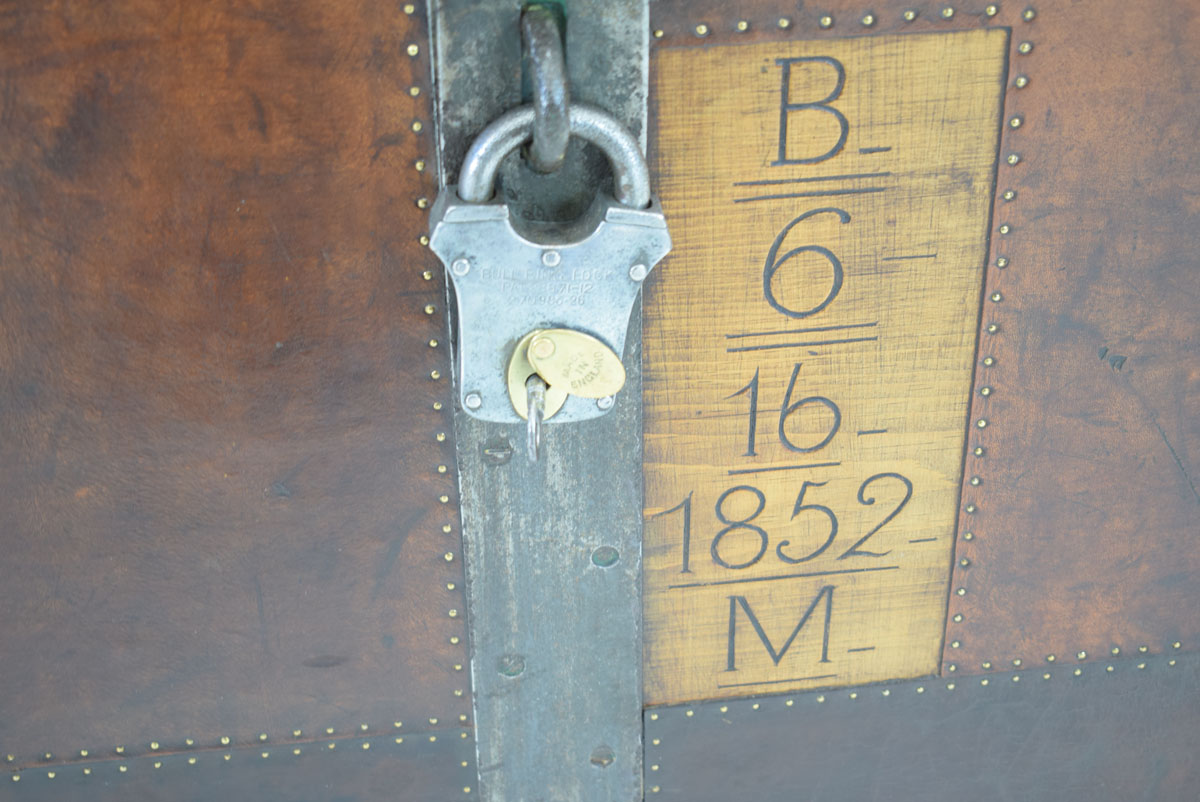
{"x":514,"y":279}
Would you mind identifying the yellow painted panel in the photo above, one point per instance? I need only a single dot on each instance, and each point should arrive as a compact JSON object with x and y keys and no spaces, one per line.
{"x":808,"y":352}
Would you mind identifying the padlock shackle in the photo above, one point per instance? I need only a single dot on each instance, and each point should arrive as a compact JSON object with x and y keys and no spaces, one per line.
{"x":631,"y":176}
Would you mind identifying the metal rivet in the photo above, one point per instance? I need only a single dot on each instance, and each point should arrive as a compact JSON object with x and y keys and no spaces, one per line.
{"x":329,"y":730}
{"x":1141,"y":665}
{"x":742,"y":26}
{"x":702,"y":30}
{"x":910,"y":15}
{"x":958,"y":618}
{"x":417,"y":125}
{"x":460,"y":267}
{"x":442,"y":469}
{"x":920,"y":689}
{"x":1078,"y":672}
{"x":983,"y":682}
{"x":1025,"y":48}
{"x":1171,"y":663}
{"x":435,"y":374}
{"x":414,"y":91}
{"x":1176,"y":645}
{"x":1013,"y":158}
{"x":1115,"y":650}
{"x":420,"y":165}
{"x":654,"y":716}
{"x":1015,"y":122}
{"x":87,"y":771}
{"x":992,"y":328}
{"x":51,"y":775}
{"x":605,"y":403}
{"x":1050,"y":658}
{"x":1005,"y":228}
{"x":122,"y":769}
{"x":427,"y":275}
{"x":984,"y":391}
{"x":1021,"y":81}
{"x":979,"y":451}
{"x":949,"y":686}
{"x":886,"y":692}
{"x":440,"y":437}
{"x":433,"y":343}
{"x":409,"y":8}
{"x":854,"y":694}
{"x":422,"y":203}
{"x":724,"y":708}
{"x":1028,"y":14}
{"x":1046,"y":675}
{"x":154,"y":744}
{"x":947,"y":12}
{"x":450,"y":586}
{"x":472,"y":401}
{"x":658,"y":33}
{"x":968,"y":535}
{"x":975,"y":480}
{"x":964,"y":562}
{"x":1016,"y":678}
{"x":952,"y":668}
{"x":690,"y":713}
{"x":654,"y":789}
{"x":603,"y":756}
{"x":826,"y":21}
{"x":1109,"y":669}
{"x":366,"y":745}
{"x":424,"y":240}
{"x":637,"y":272}
{"x":955,"y":644}
{"x":656,"y":741}
{"x":996,"y":297}
{"x":120,"y":750}
{"x":821,"y":698}
{"x":331,"y":746}
{"x":992,"y":10}
{"x":961,"y":591}
{"x":987,"y":664}
{"x":784,"y":23}
{"x":453,"y":613}
{"x":789,"y":702}
{"x":448,"y":556}
{"x":605,"y":557}
{"x":1143,"y":649}
{"x":1081,"y":655}
{"x":971,"y":508}
{"x":413,"y":50}
{"x":988,"y":361}
{"x":447,"y":528}
{"x":1017,"y":662}
{"x":224,"y":740}
{"x":1009,"y":194}
{"x":551,"y":258}
{"x":510,"y":665}
{"x":430,"y":309}
{"x":868,"y":20}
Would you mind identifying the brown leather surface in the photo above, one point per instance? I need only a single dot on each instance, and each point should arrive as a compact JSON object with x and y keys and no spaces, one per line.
{"x":1103,"y":736}
{"x":1084,"y":517}
{"x":221,"y":508}
{"x":417,"y":770}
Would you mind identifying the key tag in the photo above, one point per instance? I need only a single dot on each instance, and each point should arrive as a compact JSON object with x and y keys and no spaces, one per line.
{"x":573,"y":285}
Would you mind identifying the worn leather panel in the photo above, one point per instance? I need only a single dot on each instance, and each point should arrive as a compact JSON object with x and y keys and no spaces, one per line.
{"x":222,"y":513}
{"x":1081,"y":501}
{"x":1128,"y":734}
{"x":417,"y":770}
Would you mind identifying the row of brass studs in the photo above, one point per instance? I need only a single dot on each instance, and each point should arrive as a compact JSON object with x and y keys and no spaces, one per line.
{"x":986,"y":390}
{"x":865,"y":20}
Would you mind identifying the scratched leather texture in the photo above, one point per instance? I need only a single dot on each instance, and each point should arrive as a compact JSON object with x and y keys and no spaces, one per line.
{"x":1084,"y":519}
{"x":1103,"y":736}
{"x":220,"y":505}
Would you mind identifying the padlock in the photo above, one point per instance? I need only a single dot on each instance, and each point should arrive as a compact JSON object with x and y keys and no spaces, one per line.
{"x":513,"y":279}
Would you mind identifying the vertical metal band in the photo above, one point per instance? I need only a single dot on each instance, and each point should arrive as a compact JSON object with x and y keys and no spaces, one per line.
{"x":553,"y":549}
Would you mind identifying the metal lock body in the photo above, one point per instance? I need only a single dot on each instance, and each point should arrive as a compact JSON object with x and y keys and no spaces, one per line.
{"x":513,"y":277}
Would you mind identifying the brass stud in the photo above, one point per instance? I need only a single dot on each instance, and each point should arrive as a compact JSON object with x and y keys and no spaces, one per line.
{"x":654,"y":767}
{"x":1078,"y":672}
{"x":424,"y":240}
{"x":329,"y":730}
{"x":1009,"y":194}
{"x":262,"y":736}
{"x":984,"y":391}
{"x":968,"y":535}
{"x":1025,"y":48}
{"x":226,"y":757}
{"x":158,"y":764}
{"x":948,"y":12}
{"x":826,"y":21}
{"x":654,"y":716}
{"x":51,"y":775}
{"x":1002,"y":262}
{"x":454,"y":639}
{"x":658,"y":33}
{"x":961,"y":591}
{"x":920,"y":689}
{"x":448,"y":556}
{"x":1013,"y":159}
{"x":332,"y":745}
{"x":724,"y":708}
{"x":433,"y":343}
{"x":955,"y":644}
{"x":120,"y":750}
{"x":1005,"y":228}
{"x":430,"y":309}
{"x":154,"y":744}
{"x":983,"y":681}
{"x":224,"y":740}
{"x":266,"y":755}
{"x":958,"y":618}
{"x":868,"y":20}
{"x":1017,"y":662}
{"x":399,"y":740}
{"x":949,"y":686}
{"x":910,"y":14}
{"x":432,"y":738}
{"x":363,"y":727}
{"x":427,"y":275}
{"x":992,"y":10}
{"x":453,"y":613}
{"x":886,"y":692}
{"x":1028,"y":14}
{"x":462,"y":717}
{"x":1016,"y":121}
{"x":996,"y":297}
{"x":979,"y":451}
{"x":447,"y":528}
{"x":1109,"y":669}
{"x":989,"y":361}
{"x":789,"y":702}
{"x":458,"y":667}
{"x":742,"y":26}
{"x":420,"y":165}
{"x":1082,"y":655}
{"x":450,"y":586}
{"x":122,"y":769}
{"x":440,"y":437}
{"x":1115,"y":650}
{"x":784,"y":23}
{"x":654,"y":789}
{"x":1050,"y":658}
{"x":987,"y":664}
{"x":413,"y":49}
{"x":1046,"y":675}
{"x":1171,"y":662}
{"x":1021,"y":81}
{"x":409,"y":9}
{"x":1141,"y":665}
{"x":1143,"y":649}
{"x":444,"y":499}
{"x":422,"y":203}
{"x":702,"y":30}
{"x":1016,"y":677}
{"x":417,"y":125}
{"x":975,"y":480}
{"x":821,"y":699}
{"x":297,"y":733}
{"x":414,"y":91}
{"x":690,"y":713}
{"x":992,"y":328}
{"x":296,"y":750}
{"x":192,"y":761}
{"x":854,"y":694}
{"x":971,"y":508}
{"x":656,"y":741}
{"x":87,"y":771}
{"x":16,"y":778}
{"x":442,"y":469}
{"x":964,"y":562}
{"x":1176,"y":645}
{"x":952,"y":668}
{"x":435,"y":374}
{"x":82,"y":753}
{"x":366,"y":745}
{"x":466,"y":789}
